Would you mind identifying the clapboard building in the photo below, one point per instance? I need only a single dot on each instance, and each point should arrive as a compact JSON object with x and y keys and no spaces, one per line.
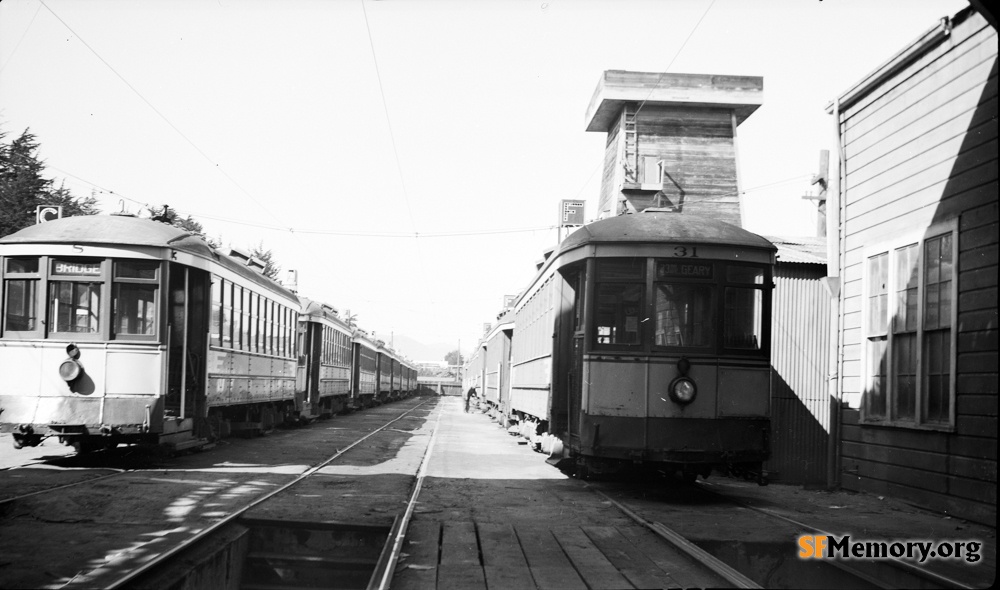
{"x":916,"y":230}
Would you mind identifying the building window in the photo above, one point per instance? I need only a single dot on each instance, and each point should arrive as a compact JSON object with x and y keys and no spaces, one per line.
{"x":909,"y":341}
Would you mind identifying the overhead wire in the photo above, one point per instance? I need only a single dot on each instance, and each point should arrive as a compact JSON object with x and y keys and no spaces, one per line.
{"x":18,"y":44}
{"x":658,"y":80}
{"x":159,"y":113}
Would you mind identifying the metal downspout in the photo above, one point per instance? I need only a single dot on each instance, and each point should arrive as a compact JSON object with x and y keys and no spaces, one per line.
{"x":834,"y":244}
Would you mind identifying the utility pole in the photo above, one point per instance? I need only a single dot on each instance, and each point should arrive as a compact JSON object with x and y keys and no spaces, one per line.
{"x":822,"y":178}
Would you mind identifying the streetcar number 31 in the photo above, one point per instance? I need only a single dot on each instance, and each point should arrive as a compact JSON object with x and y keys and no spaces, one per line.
{"x":685,"y":252}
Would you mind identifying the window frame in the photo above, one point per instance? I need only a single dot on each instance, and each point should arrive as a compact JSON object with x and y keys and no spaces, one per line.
{"x":39,"y":296}
{"x":642,"y":305}
{"x":157,"y":299}
{"x":891,"y":334}
{"x":103,"y":331}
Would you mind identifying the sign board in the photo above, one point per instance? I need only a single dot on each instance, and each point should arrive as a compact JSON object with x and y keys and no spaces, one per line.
{"x":508,"y":301}
{"x":571,"y":212}
{"x":45,"y":213}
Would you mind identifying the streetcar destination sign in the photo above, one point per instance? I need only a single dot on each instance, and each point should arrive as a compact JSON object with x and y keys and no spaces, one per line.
{"x":684,"y":269}
{"x":61,"y":267}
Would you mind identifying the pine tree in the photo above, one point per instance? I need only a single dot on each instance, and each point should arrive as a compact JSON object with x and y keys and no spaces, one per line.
{"x":23,"y":188}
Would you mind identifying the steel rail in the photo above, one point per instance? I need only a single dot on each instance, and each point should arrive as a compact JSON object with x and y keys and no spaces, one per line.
{"x":936,"y":578}
{"x":385,"y":571}
{"x":64,"y":486}
{"x":176,"y":549}
{"x":701,"y":556}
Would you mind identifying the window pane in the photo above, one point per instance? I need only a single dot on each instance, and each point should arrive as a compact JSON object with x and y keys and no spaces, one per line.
{"x":878,"y":276}
{"x":937,"y":282}
{"x":215,"y":331}
{"x":621,"y":269}
{"x":135,"y":309}
{"x":22,"y":265}
{"x":227,"y":314}
{"x":76,"y":307}
{"x":20,"y":305}
{"x":904,"y":367}
{"x":743,"y":322}
{"x":937,"y":375}
{"x":618,"y":307}
{"x":745,"y":274}
{"x":136,"y":269}
{"x":875,"y":394}
{"x":684,"y":315}
{"x":905,"y":319}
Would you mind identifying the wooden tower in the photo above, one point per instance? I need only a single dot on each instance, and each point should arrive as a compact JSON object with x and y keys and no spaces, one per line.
{"x":672,"y":141}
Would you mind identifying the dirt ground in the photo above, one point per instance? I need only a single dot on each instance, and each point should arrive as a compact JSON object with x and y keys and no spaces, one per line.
{"x":54,"y":538}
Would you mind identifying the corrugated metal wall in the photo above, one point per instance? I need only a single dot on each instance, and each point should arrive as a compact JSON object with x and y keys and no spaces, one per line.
{"x":800,"y":344}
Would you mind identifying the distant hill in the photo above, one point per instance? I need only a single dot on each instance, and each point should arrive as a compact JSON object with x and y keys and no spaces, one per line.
{"x":418,"y":351}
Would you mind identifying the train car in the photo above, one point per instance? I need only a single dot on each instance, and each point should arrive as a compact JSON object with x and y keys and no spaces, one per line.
{"x":496,"y":365}
{"x":644,"y":341}
{"x":364,"y":379}
{"x":397,"y":378}
{"x":124,"y":330}
{"x":324,"y":364}
{"x":383,"y":391}
{"x":472,"y":372}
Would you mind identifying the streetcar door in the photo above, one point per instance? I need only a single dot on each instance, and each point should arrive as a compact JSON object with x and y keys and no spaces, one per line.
{"x":579,"y":342}
{"x":187,"y":347}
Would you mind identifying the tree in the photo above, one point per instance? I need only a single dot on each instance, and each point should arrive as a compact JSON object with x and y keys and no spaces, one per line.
{"x":271,"y":268}
{"x":188,"y":224}
{"x":23,"y":188}
{"x":453,"y":358}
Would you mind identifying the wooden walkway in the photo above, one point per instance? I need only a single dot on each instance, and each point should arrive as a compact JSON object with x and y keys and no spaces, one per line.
{"x":448,"y":555}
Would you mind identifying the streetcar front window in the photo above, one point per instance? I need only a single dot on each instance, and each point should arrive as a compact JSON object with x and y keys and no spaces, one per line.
{"x":134,"y":297}
{"x":135,"y":309}
{"x":744,"y":305}
{"x":619,"y":301}
{"x":20,"y":313}
{"x":20,"y":295}
{"x":684,"y":315}
{"x":75,"y":306}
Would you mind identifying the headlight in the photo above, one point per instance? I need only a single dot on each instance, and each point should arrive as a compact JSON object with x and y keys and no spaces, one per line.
{"x":683,"y":390}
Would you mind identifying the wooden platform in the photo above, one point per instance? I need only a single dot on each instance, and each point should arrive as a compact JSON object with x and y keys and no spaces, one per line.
{"x":463,"y":554}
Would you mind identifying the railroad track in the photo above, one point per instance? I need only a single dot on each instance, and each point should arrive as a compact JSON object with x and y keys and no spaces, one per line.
{"x":886,"y":574}
{"x":115,"y":533}
{"x":128,"y":572}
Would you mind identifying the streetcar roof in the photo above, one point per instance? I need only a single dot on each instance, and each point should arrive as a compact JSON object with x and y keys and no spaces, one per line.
{"x":124,"y":230}
{"x":112,"y":230}
{"x":664,"y":227}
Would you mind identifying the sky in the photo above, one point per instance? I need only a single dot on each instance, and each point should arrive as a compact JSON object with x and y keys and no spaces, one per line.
{"x":408,"y":157}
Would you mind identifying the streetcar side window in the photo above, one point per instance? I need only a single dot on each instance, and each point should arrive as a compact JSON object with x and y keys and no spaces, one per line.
{"x":75,"y":296}
{"x":20,"y":296}
{"x":216,"y":329}
{"x":227,"y":314}
{"x":744,"y":308}
{"x":619,"y":301}
{"x":134,"y":301}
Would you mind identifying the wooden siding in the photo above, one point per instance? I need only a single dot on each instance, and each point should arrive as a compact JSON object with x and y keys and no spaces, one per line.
{"x":698,"y":151}
{"x":607,"y":205}
{"x":800,"y":400}
{"x":921,"y":149}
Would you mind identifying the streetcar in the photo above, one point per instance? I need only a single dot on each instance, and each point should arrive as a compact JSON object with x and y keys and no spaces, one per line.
{"x":120,"y":330}
{"x":643,"y":342}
